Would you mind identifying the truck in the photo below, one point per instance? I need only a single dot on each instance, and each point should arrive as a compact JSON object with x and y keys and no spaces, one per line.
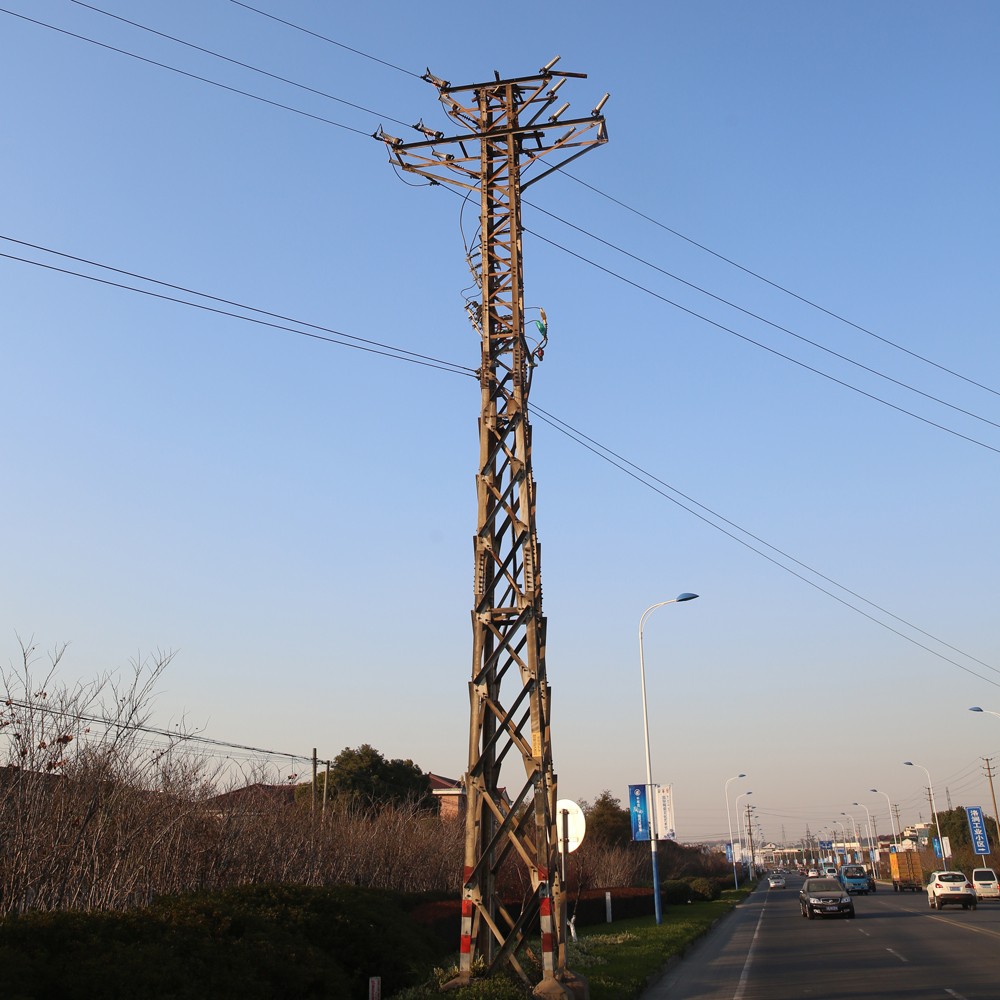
{"x":907,"y":871}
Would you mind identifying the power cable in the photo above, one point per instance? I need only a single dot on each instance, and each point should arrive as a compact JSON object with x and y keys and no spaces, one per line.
{"x":762,"y":319}
{"x":566,"y":429}
{"x":359,"y":344}
{"x":182,"y":72}
{"x":237,"y":62}
{"x":764,"y":347}
{"x":550,"y":418}
{"x":556,"y":425}
{"x":552,"y":215}
{"x":779,"y":287}
{"x":332,"y":41}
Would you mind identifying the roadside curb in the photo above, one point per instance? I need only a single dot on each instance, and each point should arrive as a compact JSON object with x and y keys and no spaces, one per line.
{"x":653,"y":978}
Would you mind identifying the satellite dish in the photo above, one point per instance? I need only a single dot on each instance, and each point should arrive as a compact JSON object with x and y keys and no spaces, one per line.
{"x":571,"y":825}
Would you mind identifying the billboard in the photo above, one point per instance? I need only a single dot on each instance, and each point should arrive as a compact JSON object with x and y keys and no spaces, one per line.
{"x":639,"y":812}
{"x":977,"y":828}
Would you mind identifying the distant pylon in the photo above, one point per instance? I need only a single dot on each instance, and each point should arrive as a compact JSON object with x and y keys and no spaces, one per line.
{"x":511,"y":136}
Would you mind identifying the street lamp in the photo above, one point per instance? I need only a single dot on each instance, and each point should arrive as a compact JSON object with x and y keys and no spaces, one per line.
{"x":857,"y":838}
{"x":871,"y":843}
{"x":996,"y":812}
{"x":976,"y":708}
{"x":892,"y":822}
{"x":930,"y":787}
{"x":650,"y":804}
{"x":843,"y":827}
{"x":729,"y":820}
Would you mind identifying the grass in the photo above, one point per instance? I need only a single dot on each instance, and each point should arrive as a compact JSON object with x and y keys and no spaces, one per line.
{"x":619,"y":960}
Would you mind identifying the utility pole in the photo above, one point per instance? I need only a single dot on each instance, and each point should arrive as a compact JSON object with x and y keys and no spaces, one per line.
{"x":988,"y":769}
{"x":510,"y":135}
{"x":753,"y":869}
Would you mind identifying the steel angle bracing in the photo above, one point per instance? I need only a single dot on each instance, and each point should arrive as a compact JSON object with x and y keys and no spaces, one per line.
{"x":506,"y":129}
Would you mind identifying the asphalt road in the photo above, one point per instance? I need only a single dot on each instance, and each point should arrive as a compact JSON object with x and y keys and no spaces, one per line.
{"x":897,"y":948}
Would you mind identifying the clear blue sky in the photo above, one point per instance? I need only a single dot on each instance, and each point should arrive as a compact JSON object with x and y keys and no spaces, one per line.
{"x":295,"y":518}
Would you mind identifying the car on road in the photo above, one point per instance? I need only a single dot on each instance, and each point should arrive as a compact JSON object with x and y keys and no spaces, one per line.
{"x":812,"y":873}
{"x":825,"y":897}
{"x":984,"y":881}
{"x":776,"y":882}
{"x":855,"y":878}
{"x":950,"y":889}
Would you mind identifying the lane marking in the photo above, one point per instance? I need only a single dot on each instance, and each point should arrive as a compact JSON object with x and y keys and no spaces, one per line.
{"x":860,"y":931}
{"x":952,"y":993}
{"x":745,"y":974}
{"x":967,"y":927}
{"x":897,"y":954}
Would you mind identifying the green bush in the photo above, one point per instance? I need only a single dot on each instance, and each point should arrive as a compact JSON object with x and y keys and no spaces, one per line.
{"x":703,"y":890}
{"x":249,"y":943}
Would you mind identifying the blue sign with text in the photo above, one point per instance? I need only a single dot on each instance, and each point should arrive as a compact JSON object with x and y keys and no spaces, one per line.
{"x":639,"y":811}
{"x":977,"y":827}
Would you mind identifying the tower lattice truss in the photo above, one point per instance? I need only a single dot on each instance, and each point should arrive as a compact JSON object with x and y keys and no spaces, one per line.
{"x":512,"y":134}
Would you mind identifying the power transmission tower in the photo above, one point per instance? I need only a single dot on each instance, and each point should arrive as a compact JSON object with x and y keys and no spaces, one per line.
{"x":508,"y":128}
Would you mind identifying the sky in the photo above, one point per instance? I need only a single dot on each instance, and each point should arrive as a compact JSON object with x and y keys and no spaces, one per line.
{"x":773,"y":294}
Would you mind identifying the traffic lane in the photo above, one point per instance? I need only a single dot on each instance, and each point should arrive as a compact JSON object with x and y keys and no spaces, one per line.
{"x":953,"y":951}
{"x":892,"y":950}
{"x":713,"y":967}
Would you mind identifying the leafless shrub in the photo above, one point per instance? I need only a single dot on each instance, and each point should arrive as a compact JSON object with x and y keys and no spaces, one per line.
{"x":94,"y":817}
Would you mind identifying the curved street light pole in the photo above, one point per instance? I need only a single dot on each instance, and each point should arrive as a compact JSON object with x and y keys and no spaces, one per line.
{"x":650,"y":804}
{"x":729,"y":820}
{"x":843,"y":826}
{"x":857,"y":836}
{"x":930,"y":788}
{"x":993,"y":794}
{"x":892,"y":822}
{"x":871,"y":843}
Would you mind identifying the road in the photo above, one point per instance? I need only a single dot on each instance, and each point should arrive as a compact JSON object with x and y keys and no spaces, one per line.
{"x":897,"y":948}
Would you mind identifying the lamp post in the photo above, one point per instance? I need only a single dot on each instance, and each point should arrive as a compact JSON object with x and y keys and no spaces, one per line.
{"x":892,"y":822}
{"x":871,"y":845}
{"x":843,"y":827}
{"x":930,"y":787}
{"x":857,"y":838}
{"x":976,"y":708}
{"x":989,"y":772}
{"x":729,"y":820}
{"x":739,"y":820}
{"x":650,"y":804}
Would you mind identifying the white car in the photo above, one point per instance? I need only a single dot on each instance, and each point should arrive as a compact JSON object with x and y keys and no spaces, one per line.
{"x":950,"y":889}
{"x":776,"y":882}
{"x":984,"y":881}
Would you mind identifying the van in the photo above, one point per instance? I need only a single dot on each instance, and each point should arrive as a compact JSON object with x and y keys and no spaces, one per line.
{"x":831,"y":871}
{"x":984,"y":881}
{"x":855,"y":878}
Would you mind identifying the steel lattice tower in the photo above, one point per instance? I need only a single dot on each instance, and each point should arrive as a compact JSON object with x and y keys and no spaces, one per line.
{"x":509,"y":129}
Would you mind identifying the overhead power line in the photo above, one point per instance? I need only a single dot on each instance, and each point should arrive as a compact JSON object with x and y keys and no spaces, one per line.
{"x":183,"y":72}
{"x":608,"y":455}
{"x":762,"y":319}
{"x":763,"y":347}
{"x":780,"y":287}
{"x":581,"y":257}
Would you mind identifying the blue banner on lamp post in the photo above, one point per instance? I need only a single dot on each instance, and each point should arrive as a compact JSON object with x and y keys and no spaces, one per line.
{"x":977,"y":827}
{"x":639,"y":811}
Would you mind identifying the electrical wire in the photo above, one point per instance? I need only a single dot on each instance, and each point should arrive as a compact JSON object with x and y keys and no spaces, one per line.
{"x":182,"y":72}
{"x":763,"y":347}
{"x":237,"y":62}
{"x":763,"y":319}
{"x":780,"y":287}
{"x":623,"y":465}
{"x":351,"y":341}
{"x":332,"y":41}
